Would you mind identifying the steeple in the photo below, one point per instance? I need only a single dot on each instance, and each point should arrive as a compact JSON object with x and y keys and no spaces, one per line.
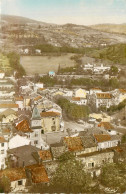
{"x":35,"y":114}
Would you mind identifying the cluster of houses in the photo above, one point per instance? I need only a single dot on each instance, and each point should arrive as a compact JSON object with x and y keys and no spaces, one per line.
{"x":95,"y":96}
{"x":95,"y":68}
{"x":25,"y":157}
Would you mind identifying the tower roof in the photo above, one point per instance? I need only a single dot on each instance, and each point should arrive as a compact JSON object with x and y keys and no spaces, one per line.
{"x":35,"y":114}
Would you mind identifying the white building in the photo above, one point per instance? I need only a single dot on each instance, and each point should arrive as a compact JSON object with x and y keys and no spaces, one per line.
{"x":20,"y":101}
{"x":18,"y":141}
{"x":106,"y":141}
{"x":2,"y":74}
{"x":3,"y":152}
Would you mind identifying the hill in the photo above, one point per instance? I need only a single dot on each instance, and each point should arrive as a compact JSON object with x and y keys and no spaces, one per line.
{"x":11,"y":19}
{"x":112,"y":28}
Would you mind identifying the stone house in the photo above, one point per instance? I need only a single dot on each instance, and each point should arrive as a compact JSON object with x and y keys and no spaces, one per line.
{"x":57,"y":150}
{"x":94,"y":161}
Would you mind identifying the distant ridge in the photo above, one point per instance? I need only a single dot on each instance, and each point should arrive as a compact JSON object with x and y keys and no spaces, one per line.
{"x":12,"y":19}
{"x":112,"y":28}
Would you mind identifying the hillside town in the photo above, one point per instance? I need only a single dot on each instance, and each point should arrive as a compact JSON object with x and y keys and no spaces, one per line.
{"x":34,"y":133}
{"x":62,"y":97}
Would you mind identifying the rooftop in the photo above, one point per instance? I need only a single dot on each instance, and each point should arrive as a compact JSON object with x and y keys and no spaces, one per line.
{"x":50,"y":114}
{"x":19,"y":98}
{"x":9,"y":106}
{"x":24,"y":126}
{"x":104,"y":95}
{"x":102,"y":138}
{"x":45,"y":155}
{"x":2,"y":140}
{"x":106,"y":125}
{"x":13,"y":174}
{"x":39,"y":174}
{"x":74,"y":143}
{"x":76,"y":99}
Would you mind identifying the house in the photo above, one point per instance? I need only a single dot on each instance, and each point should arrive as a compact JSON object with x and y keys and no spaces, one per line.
{"x":103,"y":99}
{"x":57,"y":149}
{"x":108,"y":127}
{"x":8,"y":115}
{"x":2,"y":74}
{"x":20,"y":101}
{"x":50,"y":121}
{"x":37,"y":99}
{"x":106,"y":141}
{"x":89,"y":143}
{"x":93,"y":161}
{"x":6,"y":133}
{"x":3,"y":152}
{"x":95,"y":90}
{"x":21,"y":156}
{"x":4,"y":107}
{"x":18,"y":141}
{"x":17,"y":177}
{"x":79,"y":101}
{"x":80,"y":93}
{"x":51,"y":74}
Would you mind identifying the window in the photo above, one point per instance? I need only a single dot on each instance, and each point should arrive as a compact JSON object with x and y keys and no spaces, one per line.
{"x":35,"y":142}
{"x":2,"y":151}
{"x":53,"y":119}
{"x":91,"y":165}
{"x":2,"y":145}
{"x":19,"y":182}
{"x":36,"y":134}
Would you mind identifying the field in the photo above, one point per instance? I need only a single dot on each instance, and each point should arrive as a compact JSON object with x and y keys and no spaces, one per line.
{"x":44,"y":64}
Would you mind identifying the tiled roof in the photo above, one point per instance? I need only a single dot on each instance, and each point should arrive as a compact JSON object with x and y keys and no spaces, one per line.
{"x":104,"y":95}
{"x":39,"y":174}
{"x":19,"y":98}
{"x":88,"y":141}
{"x":102,"y":138}
{"x":24,"y":126}
{"x":2,"y":140}
{"x":45,"y":155}
{"x":106,"y":125}
{"x":9,"y":106}
{"x":123,"y":91}
{"x":37,"y":98}
{"x":76,"y":99}
{"x":13,"y":174}
{"x":74,"y":143}
{"x":42,"y":89}
{"x":50,"y":114}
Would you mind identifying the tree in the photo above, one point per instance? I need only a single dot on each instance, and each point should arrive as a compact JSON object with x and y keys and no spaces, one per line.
{"x":114,"y":176}
{"x":4,"y":185}
{"x":71,"y":177}
{"x":114,"y":70}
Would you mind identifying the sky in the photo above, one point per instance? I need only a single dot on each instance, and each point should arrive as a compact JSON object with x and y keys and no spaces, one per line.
{"x":83,"y":12}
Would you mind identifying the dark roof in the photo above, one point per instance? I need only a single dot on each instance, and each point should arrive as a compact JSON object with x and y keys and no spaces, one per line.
{"x":24,"y":154}
{"x":88,"y":141}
